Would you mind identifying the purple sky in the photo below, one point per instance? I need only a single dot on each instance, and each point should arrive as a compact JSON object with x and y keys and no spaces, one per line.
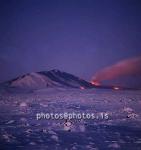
{"x":76,"y":36}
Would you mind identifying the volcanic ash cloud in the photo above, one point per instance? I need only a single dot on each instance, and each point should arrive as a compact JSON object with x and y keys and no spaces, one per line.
{"x":127,"y":67}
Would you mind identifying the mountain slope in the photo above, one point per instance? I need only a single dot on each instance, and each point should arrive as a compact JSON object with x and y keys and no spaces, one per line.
{"x":44,"y":79}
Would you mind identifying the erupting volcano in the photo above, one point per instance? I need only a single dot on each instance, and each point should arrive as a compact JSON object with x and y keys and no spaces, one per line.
{"x":128,"y":68}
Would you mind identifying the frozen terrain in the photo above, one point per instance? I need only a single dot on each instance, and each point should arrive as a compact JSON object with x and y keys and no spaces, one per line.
{"x":20,"y":130}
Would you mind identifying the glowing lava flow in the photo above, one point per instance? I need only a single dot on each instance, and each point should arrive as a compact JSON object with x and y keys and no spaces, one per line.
{"x":96,"y":83}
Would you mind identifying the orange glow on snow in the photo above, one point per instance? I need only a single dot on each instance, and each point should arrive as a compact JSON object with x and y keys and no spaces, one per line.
{"x":82,"y":88}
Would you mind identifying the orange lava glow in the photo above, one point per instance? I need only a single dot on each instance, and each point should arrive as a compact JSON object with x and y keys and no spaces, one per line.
{"x":116,"y":88}
{"x":95,"y":83}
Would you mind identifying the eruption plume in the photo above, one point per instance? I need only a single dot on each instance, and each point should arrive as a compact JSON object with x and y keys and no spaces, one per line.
{"x":128,"y":67}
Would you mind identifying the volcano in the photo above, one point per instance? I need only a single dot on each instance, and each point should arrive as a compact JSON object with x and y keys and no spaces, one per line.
{"x":52,"y":79}
{"x":45,"y":79}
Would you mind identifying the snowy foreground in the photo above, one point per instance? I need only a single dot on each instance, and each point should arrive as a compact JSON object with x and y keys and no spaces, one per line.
{"x":20,"y":129}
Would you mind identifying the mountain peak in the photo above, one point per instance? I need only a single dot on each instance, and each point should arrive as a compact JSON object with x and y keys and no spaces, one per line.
{"x":55,"y":70}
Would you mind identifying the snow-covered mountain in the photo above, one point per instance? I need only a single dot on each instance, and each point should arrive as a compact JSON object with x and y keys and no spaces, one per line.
{"x":44,"y":79}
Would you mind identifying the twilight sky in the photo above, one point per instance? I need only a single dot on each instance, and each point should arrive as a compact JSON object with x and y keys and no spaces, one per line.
{"x":77,"y":36}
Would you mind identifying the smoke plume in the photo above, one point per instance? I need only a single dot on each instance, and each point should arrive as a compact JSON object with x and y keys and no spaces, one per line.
{"x":128,"y":67}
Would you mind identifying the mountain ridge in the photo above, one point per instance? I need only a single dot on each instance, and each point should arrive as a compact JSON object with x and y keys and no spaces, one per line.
{"x":44,"y":79}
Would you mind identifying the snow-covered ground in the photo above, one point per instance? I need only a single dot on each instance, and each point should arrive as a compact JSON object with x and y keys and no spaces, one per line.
{"x":20,"y":129}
